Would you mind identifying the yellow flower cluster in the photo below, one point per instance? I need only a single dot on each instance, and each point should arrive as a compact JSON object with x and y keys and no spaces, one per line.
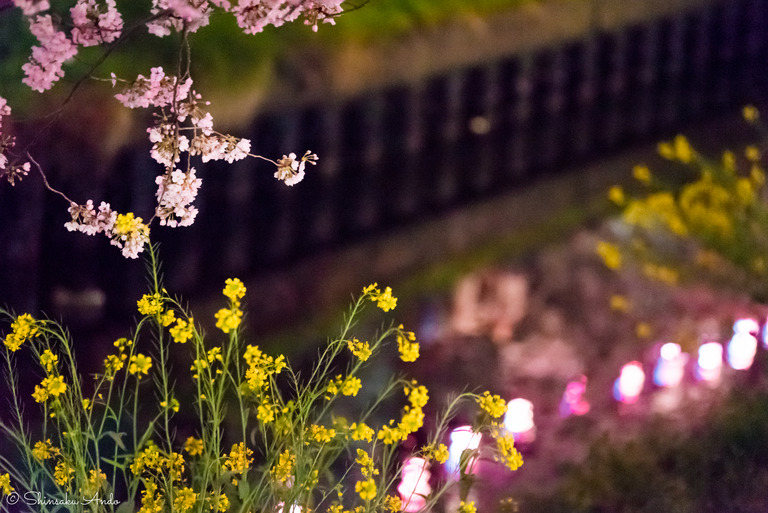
{"x":45,"y":450}
{"x":130,"y":233}
{"x":360,"y":431}
{"x":366,"y":489}
{"x":393,"y":503}
{"x":412,"y":419}
{"x":157,"y":468}
{"x":183,"y":330}
{"x":494,"y":405}
{"x":184,"y":500}
{"x":139,"y":364}
{"x":678,"y":149}
{"x":62,"y":474}
{"x":367,"y":465}
{"x":239,"y":459}
{"x":437,"y":452}
{"x":150,"y":304}
{"x":5,"y":484}
{"x":507,"y":453}
{"x":96,"y":481}
{"x":407,"y":345}
{"x":283,"y":469}
{"x":228,"y":319}
{"x":610,"y":253}
{"x":260,"y":367}
{"x":384,"y":300}
{"x":53,"y":384}
{"x":467,"y":507}
{"x":362,"y":350}
{"x":321,"y":434}
{"x":22,"y":329}
{"x":113,"y":363}
{"x":347,"y":386}
{"x":194,"y":446}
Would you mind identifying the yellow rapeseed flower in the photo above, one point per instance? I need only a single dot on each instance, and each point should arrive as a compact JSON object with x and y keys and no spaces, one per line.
{"x":184,"y":499}
{"x":507,"y":453}
{"x":360,"y":431}
{"x":407,"y":345}
{"x":150,"y":304}
{"x":228,"y":319}
{"x":23,"y":328}
{"x":140,"y":364}
{"x":494,"y":405}
{"x":234,"y":289}
{"x":367,"y":465}
{"x":55,"y":385}
{"x":194,"y":446}
{"x":183,"y":330}
{"x":265,"y":413}
{"x":62,"y":474}
{"x":44,"y":450}
{"x":384,"y":300}
{"x":167,"y":318}
{"x":393,"y":503}
{"x":391,"y":435}
{"x":218,"y":502}
{"x":752,"y":153}
{"x":366,"y":489}
{"x":751,"y":113}
{"x":361,"y":350}
{"x":5,"y":484}
{"x":321,"y":434}
{"x":112,"y":364}
{"x":439,"y":453}
{"x":610,"y":254}
{"x":412,"y":421}
{"x":642,"y":174}
{"x":616,"y":195}
{"x":48,"y":360}
{"x":239,"y":459}
{"x":283,"y":469}
{"x":418,"y":395}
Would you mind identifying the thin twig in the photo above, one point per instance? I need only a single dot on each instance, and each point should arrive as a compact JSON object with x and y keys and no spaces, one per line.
{"x":45,"y":180}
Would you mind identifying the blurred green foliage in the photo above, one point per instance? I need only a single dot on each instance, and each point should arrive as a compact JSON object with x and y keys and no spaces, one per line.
{"x":225,"y":57}
{"x":721,"y":465}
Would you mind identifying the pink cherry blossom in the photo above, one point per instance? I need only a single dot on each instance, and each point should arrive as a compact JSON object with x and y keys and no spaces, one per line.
{"x":32,"y":7}
{"x":95,"y":24}
{"x":175,"y":193}
{"x":85,"y":219}
{"x":45,"y":65}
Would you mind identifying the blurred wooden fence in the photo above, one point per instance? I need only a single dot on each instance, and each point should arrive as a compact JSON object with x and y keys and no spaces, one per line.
{"x":398,"y":155}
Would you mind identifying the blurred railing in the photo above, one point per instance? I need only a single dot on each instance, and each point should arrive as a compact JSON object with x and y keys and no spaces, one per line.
{"x":394,"y":156}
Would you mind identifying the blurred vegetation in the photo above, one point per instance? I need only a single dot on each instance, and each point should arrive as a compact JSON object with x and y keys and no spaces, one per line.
{"x":720,"y":466}
{"x":225,"y":57}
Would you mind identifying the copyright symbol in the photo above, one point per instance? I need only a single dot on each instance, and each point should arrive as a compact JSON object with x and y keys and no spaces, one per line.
{"x":13,"y":498}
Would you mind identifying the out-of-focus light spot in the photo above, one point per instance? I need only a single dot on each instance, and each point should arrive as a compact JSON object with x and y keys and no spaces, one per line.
{"x":710,"y":362}
{"x":519,"y":420}
{"x":741,"y":351}
{"x":746,"y":326}
{"x":573,"y":402}
{"x":462,"y":439}
{"x":629,"y":384}
{"x":414,"y":484}
{"x":293,"y":509}
{"x":479,"y":125}
{"x":670,"y":367}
